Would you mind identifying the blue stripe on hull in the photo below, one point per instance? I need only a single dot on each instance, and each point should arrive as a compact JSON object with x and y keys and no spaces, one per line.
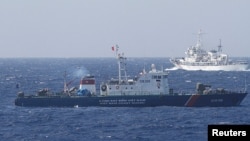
{"x":134,"y":101}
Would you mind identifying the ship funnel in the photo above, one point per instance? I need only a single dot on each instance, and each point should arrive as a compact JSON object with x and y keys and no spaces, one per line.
{"x":88,"y":83}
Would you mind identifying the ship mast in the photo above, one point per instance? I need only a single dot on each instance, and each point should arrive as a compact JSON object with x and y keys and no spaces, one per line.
{"x":65,"y":89}
{"x":121,"y":60}
{"x":122,"y":67}
{"x":220,"y":47}
{"x":198,"y":44}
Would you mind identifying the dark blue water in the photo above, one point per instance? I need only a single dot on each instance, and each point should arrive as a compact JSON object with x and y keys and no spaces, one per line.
{"x":100,"y":123}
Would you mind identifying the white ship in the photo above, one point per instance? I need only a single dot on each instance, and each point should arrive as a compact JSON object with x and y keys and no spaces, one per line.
{"x":214,"y":60}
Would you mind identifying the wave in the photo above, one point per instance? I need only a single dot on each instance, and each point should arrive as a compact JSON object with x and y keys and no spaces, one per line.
{"x":170,"y":69}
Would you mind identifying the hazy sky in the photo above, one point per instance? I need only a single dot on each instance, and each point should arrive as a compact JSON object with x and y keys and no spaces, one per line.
{"x":141,"y":28}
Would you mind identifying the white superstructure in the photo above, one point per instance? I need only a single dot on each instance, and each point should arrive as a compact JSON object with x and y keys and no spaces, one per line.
{"x":199,"y":59}
{"x":153,"y":82}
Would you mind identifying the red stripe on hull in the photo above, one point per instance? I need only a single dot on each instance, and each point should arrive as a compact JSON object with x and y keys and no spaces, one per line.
{"x":90,"y":81}
{"x":191,"y":101}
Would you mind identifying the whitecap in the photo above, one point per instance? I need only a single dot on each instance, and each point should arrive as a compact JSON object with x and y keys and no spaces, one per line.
{"x":173,"y":68}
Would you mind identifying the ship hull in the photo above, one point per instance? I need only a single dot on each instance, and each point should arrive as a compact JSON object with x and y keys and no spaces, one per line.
{"x":235,"y":67}
{"x":209,"y":100}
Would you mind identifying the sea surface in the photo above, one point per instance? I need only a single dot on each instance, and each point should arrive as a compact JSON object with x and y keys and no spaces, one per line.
{"x":109,"y":124}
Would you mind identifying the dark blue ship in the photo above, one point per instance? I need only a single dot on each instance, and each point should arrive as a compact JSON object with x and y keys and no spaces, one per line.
{"x":148,"y":89}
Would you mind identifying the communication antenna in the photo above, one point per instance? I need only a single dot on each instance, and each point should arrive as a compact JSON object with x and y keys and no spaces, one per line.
{"x":220,"y":47}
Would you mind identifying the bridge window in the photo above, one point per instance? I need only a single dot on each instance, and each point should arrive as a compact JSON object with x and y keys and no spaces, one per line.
{"x":165,"y":76}
{"x":144,"y":81}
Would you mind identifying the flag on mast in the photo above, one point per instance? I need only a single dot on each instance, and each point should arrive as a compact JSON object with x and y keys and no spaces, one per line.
{"x":115,"y":48}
